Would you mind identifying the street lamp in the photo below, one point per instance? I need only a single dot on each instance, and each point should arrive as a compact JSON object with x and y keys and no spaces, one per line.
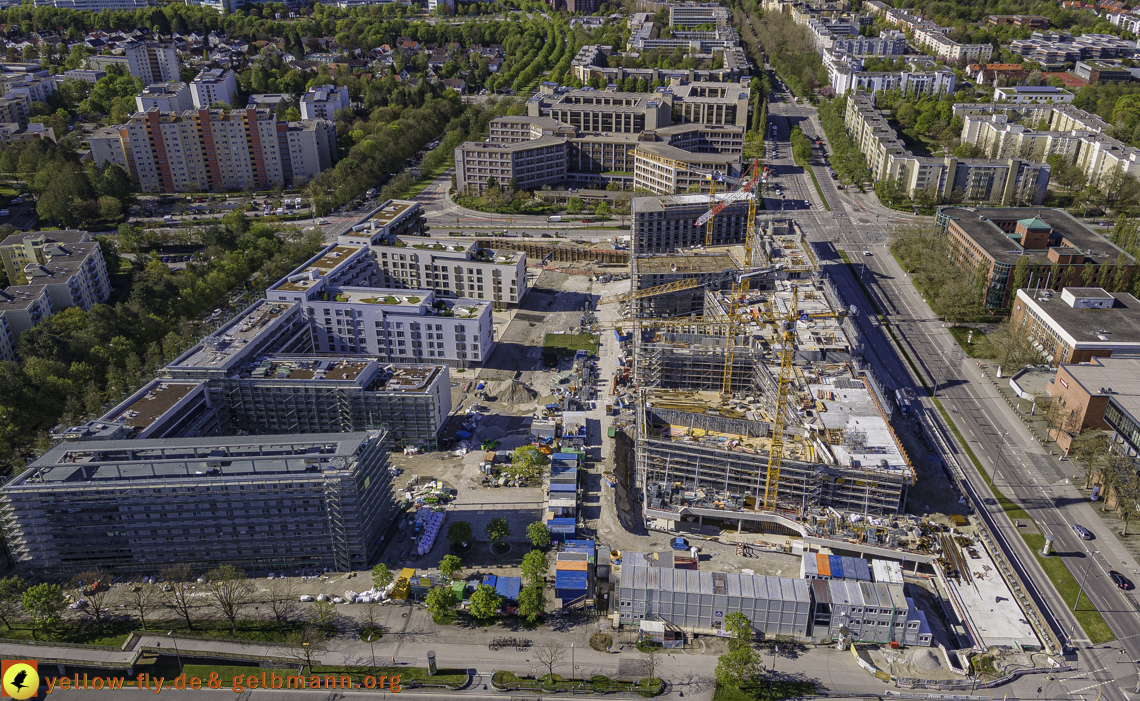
{"x":571,"y":661}
{"x":170,"y":634}
{"x":1083,"y":578}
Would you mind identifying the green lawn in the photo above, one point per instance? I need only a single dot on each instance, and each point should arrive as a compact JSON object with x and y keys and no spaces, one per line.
{"x":1067,"y":585}
{"x":111,"y":634}
{"x":452,"y":677}
{"x":428,"y":178}
{"x":763,"y":691}
{"x":566,"y":344}
{"x":168,"y":670}
{"x":978,"y":347}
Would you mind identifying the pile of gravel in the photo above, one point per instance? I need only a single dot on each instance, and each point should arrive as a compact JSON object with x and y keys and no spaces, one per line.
{"x":513,"y":392}
{"x":926,"y":659}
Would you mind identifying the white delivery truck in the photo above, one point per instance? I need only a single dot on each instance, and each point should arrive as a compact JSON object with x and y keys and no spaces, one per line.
{"x":555,"y":218}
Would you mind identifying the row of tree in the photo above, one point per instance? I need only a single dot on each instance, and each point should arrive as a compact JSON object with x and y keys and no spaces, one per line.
{"x":846,"y":159}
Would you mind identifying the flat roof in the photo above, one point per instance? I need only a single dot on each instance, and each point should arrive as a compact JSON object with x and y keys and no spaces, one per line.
{"x":202,"y":458}
{"x":154,"y":400}
{"x":679,"y":264}
{"x":702,"y":582}
{"x":1091,"y":328}
{"x":993,"y":615}
{"x":56,"y":235}
{"x":321,"y":266}
{"x":667,"y":151}
{"x":339,"y":370}
{"x":220,"y":347}
{"x":979,"y":224}
{"x":660,"y":203}
{"x":20,"y":297}
{"x":1121,"y":375}
{"x":391,"y":211}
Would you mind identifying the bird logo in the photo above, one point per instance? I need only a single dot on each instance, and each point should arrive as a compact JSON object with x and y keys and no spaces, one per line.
{"x":19,"y":679}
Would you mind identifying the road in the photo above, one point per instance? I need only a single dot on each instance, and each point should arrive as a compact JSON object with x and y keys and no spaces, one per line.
{"x":1001,"y":441}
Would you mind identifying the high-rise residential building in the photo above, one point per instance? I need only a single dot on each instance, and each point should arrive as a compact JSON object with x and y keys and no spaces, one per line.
{"x":215,"y":150}
{"x":323,"y":102}
{"x":267,"y":503}
{"x":166,"y":97}
{"x":35,"y":89}
{"x":153,"y":62}
{"x":15,"y":109}
{"x":214,"y":85}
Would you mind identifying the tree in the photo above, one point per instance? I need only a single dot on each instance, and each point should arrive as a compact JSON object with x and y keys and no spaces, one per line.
{"x":1012,"y":347}
{"x":532,"y":602}
{"x":11,"y":594}
{"x":381,"y":576}
{"x":231,"y":591}
{"x":1127,"y":496}
{"x":93,"y":587}
{"x":603,"y":210}
{"x":535,"y":566}
{"x":44,"y":604}
{"x":498,"y":530}
{"x":142,"y":600}
{"x":485,"y":603}
{"x":459,"y":534}
{"x":738,"y":666}
{"x":283,"y":601}
{"x":527,"y":464}
{"x":449,"y":565}
{"x":322,"y":614}
{"x":1086,"y":448}
{"x":307,"y":643}
{"x":550,"y":653}
{"x":739,"y":627}
{"x":178,"y":578}
{"x":1020,"y":273}
{"x":439,"y":603}
{"x":539,"y":535}
{"x":574,"y":206}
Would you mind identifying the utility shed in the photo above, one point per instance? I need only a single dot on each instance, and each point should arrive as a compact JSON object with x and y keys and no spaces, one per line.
{"x":698,"y":601}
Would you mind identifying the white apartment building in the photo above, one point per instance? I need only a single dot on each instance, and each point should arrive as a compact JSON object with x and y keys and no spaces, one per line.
{"x":166,"y":97}
{"x":87,"y":75}
{"x":1126,"y":21}
{"x":845,"y":72}
{"x":34,"y":89}
{"x":941,"y":46}
{"x":21,"y":308}
{"x":667,"y":170}
{"x":532,"y":164}
{"x":694,"y":14}
{"x":323,"y":102}
{"x":1032,"y":93}
{"x":845,"y":37}
{"x":214,"y":85}
{"x":154,"y":63}
{"x":349,"y":312}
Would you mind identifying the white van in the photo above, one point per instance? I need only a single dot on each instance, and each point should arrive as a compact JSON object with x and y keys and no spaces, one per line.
{"x":555,"y":218}
{"x":280,"y":211}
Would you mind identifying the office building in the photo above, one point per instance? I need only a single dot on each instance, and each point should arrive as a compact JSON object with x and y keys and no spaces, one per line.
{"x":601,"y":111}
{"x":1097,"y":72}
{"x":697,"y":601}
{"x":1060,"y":251}
{"x":708,"y":103}
{"x":153,"y":62}
{"x":1054,"y":49}
{"x":666,"y":224}
{"x":1084,"y":323}
{"x":590,"y":159}
{"x":1030,"y":21}
{"x":1009,"y":181}
{"x":664,"y":169}
{"x":1082,"y":392}
{"x":166,"y":97}
{"x":695,"y":14}
{"x":214,"y":85}
{"x":216,"y":150}
{"x":323,"y":102}
{"x":591,"y":62}
{"x":258,"y":503}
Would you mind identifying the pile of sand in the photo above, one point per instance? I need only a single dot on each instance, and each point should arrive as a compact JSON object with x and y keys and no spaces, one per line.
{"x":926,"y":659}
{"x":513,"y":392}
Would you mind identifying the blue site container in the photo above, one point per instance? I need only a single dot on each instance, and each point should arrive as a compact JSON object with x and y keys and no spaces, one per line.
{"x":490,"y":580}
{"x":836,"y":564}
{"x":509,"y":587}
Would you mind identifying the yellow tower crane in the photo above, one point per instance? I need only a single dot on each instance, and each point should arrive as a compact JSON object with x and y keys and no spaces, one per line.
{"x":776,"y":449}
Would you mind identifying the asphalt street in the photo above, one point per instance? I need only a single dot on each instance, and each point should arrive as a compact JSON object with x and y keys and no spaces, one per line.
{"x":1000,"y":440}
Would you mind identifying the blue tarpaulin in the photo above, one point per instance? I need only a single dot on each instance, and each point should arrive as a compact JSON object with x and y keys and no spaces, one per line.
{"x":490,"y":580}
{"x":561,"y":525}
{"x":509,"y":587}
{"x":570,"y":579}
{"x":836,"y":564}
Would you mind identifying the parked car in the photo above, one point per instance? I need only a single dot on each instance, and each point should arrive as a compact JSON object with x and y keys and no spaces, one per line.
{"x":1119,"y":580}
{"x":1082,"y":532}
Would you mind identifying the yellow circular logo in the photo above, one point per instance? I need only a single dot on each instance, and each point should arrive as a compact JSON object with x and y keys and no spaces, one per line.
{"x":21,"y":681}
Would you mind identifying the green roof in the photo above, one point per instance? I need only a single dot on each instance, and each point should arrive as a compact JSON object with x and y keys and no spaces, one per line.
{"x":1033,"y":223}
